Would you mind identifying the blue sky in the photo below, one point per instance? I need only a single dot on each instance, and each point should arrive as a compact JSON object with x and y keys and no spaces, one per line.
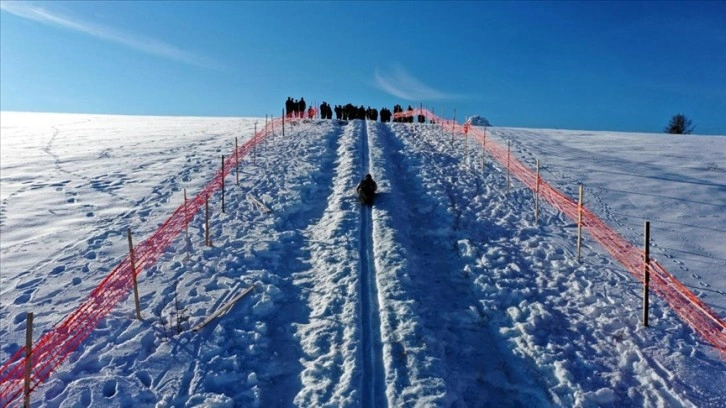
{"x":625,"y":66}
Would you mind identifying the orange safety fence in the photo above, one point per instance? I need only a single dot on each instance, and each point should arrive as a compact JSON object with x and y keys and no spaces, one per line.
{"x":56,"y":344}
{"x":686,"y":304}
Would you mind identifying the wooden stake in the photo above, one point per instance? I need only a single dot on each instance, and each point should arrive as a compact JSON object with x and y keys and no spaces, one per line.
{"x":133,"y":275}
{"x":509,"y":148}
{"x":283,"y":123}
{"x":207,"y":242}
{"x":454,"y":122}
{"x":646,"y":280}
{"x":223,"y":309}
{"x":484,"y":150}
{"x":466,"y":143}
{"x":186,"y":212}
{"x":222,"y":184}
{"x":236,"y":159}
{"x":28,"y":357}
{"x":186,"y":221}
{"x":579,"y":223}
{"x":443,"y":121}
{"x":536,"y":197}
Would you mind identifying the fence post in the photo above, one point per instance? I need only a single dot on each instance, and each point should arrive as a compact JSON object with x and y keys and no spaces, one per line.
{"x":646,"y":280}
{"x":186,"y":223}
{"x":509,"y":148}
{"x":443,"y":120}
{"x":207,"y":242}
{"x":254,"y":145}
{"x":186,"y":214}
{"x":536,"y":196}
{"x":452,"y":124}
{"x":236,"y":159}
{"x":466,"y":142}
{"x":283,"y":123}
{"x":579,"y":222}
{"x":222,"y":184}
{"x":28,"y":355}
{"x":484,"y":150}
{"x":133,"y":275}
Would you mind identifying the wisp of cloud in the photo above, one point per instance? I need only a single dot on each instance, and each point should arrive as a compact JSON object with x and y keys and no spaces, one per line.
{"x":146,"y":45}
{"x":400,"y":83}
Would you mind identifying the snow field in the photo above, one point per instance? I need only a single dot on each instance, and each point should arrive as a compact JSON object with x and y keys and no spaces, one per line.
{"x":477,"y":304}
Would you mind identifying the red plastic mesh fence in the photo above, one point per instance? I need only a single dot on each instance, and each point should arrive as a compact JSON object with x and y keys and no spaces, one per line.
{"x":56,"y":345}
{"x":686,"y":304}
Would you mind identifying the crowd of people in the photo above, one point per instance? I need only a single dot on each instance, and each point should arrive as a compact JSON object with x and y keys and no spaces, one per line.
{"x":296,"y":109}
{"x":350,"y":112}
{"x":367,"y":188}
{"x":409,"y":118}
{"x":325,"y":111}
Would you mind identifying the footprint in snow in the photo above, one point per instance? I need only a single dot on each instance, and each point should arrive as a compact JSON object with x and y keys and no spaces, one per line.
{"x":23,"y":299}
{"x":58,"y":270}
{"x":109,"y":388}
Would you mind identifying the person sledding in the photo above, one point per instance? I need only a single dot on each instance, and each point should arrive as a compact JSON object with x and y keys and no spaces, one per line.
{"x":366,"y":189}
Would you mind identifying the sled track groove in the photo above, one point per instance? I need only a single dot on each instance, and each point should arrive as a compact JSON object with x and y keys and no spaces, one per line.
{"x":373,"y":372}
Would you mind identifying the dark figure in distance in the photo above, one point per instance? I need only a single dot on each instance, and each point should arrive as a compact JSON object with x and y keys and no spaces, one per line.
{"x":289,"y":106}
{"x":301,"y":107}
{"x":366,"y":189}
{"x":398,"y":109}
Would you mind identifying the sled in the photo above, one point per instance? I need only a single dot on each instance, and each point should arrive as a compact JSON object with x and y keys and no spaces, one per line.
{"x":366,"y":197}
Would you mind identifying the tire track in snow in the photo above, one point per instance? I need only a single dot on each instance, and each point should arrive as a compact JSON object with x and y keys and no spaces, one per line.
{"x":373,"y":387}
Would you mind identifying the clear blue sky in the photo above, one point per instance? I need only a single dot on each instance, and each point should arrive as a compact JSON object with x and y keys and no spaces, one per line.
{"x":625,"y":66}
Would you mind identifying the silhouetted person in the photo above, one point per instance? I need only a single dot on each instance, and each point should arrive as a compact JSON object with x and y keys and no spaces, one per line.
{"x":338,"y":112}
{"x":366,"y":189}
{"x":301,"y":107}
{"x":289,"y":106}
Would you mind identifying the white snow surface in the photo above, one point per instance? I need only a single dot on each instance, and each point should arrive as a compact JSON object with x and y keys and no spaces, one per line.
{"x":445,"y":293}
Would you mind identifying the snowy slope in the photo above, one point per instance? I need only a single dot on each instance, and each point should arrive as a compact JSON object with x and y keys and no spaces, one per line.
{"x":676,"y":182}
{"x":445,"y":293}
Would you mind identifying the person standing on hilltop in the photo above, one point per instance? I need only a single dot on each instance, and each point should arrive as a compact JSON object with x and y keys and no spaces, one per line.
{"x":301,"y":107}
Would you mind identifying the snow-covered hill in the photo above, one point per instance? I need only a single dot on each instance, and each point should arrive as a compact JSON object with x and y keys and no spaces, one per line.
{"x":445,"y":293}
